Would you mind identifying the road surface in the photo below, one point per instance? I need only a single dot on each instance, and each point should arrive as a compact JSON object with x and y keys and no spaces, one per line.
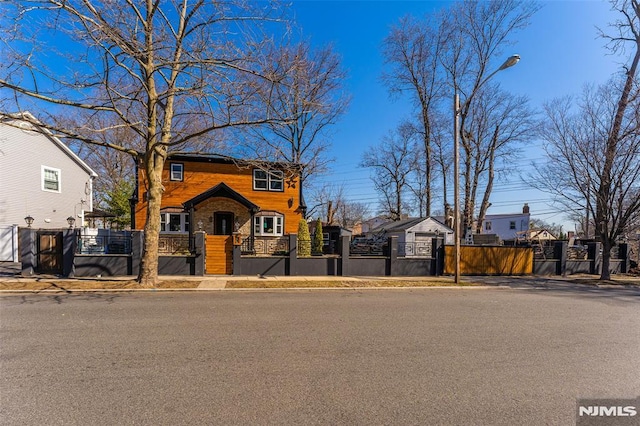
{"x":409,"y":357}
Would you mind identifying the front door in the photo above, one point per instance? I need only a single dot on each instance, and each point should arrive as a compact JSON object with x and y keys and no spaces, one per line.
{"x":50,"y":252}
{"x":222,"y":223}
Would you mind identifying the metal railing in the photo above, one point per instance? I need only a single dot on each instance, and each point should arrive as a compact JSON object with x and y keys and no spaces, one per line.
{"x":368,"y":248}
{"x":174,"y":245}
{"x":265,"y":246}
{"x":103,"y":244}
{"x":415,"y":249}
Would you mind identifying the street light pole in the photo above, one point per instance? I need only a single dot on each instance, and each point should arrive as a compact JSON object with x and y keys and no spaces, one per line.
{"x":456,"y":183}
{"x":457,"y":110}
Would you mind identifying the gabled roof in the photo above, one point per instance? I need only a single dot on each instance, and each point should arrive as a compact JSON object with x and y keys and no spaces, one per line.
{"x":221,"y":190}
{"x":403,"y":225}
{"x":28,"y":118}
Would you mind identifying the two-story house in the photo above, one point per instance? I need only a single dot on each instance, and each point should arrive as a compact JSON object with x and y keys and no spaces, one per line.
{"x":43,"y":184}
{"x":220,"y":196}
{"x":507,"y":226}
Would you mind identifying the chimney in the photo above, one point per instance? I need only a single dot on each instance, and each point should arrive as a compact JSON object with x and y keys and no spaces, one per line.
{"x":525,"y":209}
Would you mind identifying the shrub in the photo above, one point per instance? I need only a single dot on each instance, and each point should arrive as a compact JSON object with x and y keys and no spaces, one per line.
{"x":304,"y":239}
{"x":318,"y":242}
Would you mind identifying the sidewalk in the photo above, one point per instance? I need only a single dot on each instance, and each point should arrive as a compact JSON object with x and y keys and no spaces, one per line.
{"x":40,"y":283}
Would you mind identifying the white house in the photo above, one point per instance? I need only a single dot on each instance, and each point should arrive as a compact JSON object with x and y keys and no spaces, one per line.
{"x":507,"y":226}
{"x":40,"y":178}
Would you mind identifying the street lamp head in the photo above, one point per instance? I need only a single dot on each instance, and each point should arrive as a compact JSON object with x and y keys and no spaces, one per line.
{"x":511,"y":61}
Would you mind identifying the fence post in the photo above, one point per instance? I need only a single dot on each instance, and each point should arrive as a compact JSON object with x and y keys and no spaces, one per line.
{"x":593,"y":250}
{"x":69,"y":241}
{"x":345,"y":244}
{"x":292,"y":270}
{"x":28,"y":250}
{"x":438,"y":257}
{"x":393,"y":255}
{"x":137,"y":244}
{"x":199,"y":242}
{"x":560,"y":255}
{"x":623,"y":254}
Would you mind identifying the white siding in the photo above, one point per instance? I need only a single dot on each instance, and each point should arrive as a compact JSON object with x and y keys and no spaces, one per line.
{"x":8,"y":243}
{"x":501,"y":225}
{"x":429,"y":226}
{"x":23,"y":153}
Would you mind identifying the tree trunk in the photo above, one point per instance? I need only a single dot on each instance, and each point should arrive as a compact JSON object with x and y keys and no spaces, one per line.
{"x":484,"y":206}
{"x":148,"y":274}
{"x":605,"y":274}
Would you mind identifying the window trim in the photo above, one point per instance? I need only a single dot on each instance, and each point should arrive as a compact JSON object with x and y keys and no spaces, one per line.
{"x":165,"y":219}
{"x":512,"y":224}
{"x":278,"y":225}
{"x":488,"y":226}
{"x":43,"y":181}
{"x":171,"y":171}
{"x":272,"y":177}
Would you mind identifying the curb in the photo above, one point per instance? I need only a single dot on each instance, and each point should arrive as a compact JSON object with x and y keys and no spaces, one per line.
{"x":160,"y":290}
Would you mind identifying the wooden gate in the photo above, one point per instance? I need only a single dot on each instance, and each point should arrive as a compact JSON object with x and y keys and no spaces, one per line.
{"x":219,"y":255}
{"x":490,"y":260}
{"x":49,"y":252}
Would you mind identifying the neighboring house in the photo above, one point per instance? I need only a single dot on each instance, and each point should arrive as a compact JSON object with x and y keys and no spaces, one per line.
{"x":221,"y":197}
{"x":367,"y":225}
{"x":540,"y":235}
{"x":41,"y":179}
{"x":330,"y":236}
{"x":506,"y":226}
{"x":414,"y":235}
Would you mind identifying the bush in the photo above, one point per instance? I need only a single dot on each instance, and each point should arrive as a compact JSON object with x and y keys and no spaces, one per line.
{"x":318,"y":241}
{"x":304,"y":239}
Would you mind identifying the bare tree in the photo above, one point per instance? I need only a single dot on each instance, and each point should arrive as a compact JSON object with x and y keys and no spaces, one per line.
{"x":595,"y":151}
{"x":338,"y":210}
{"x":498,"y":124}
{"x":391,"y":162}
{"x":413,"y":49}
{"x":477,"y":33}
{"x":311,"y":90}
{"x":578,"y":171}
{"x":453,"y":50}
{"x":169,"y":72}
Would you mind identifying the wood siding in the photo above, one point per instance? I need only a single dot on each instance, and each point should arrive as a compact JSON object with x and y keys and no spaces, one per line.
{"x":219,"y":251}
{"x":490,"y":260}
{"x":200,"y":176}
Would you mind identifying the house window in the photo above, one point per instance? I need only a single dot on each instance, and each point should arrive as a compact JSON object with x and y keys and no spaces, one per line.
{"x":268,"y":225}
{"x":50,"y":179}
{"x":512,"y":225}
{"x":487,"y":226}
{"x":268,"y":181}
{"x":174,"y":222}
{"x":177,"y":172}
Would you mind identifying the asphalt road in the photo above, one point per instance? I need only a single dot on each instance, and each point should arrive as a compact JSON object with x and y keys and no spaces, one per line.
{"x":340,"y":357}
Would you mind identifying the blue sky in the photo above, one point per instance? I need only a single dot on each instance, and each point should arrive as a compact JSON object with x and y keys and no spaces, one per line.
{"x":560,"y":53}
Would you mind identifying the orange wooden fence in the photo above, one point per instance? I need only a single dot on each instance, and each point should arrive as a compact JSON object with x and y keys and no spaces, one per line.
{"x":490,"y":260}
{"x":219,"y":251}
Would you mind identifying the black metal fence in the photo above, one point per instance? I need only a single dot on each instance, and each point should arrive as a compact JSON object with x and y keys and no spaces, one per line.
{"x":175,"y":245}
{"x":360,"y":247}
{"x":104,"y":244}
{"x":416,"y":249}
{"x":269,"y":246}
